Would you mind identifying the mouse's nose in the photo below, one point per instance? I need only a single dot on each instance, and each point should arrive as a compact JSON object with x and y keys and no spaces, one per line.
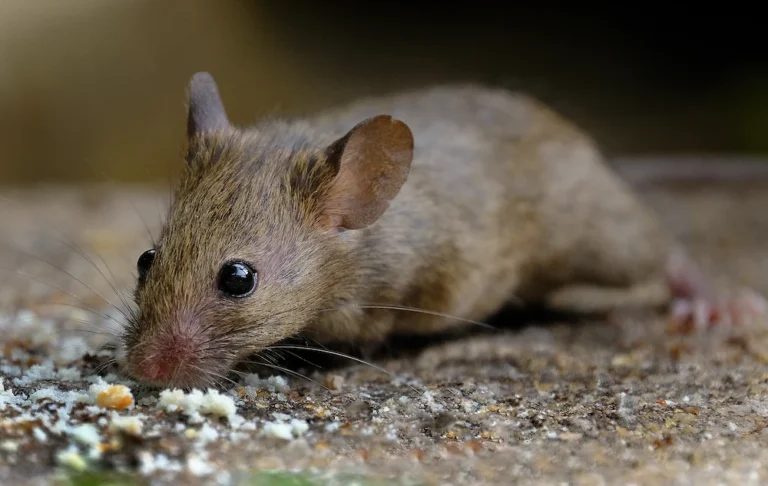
{"x":161,"y":368}
{"x":166,"y":360}
{"x":180,"y":353}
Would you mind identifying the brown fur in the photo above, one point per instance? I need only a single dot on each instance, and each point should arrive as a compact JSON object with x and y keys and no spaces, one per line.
{"x":504,"y":199}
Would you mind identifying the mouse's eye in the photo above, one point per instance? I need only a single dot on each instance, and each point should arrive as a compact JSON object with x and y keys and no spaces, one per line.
{"x":145,"y":261}
{"x":237,"y":279}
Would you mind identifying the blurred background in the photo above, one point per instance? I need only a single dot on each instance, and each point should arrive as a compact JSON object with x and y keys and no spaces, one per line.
{"x":94,"y":90}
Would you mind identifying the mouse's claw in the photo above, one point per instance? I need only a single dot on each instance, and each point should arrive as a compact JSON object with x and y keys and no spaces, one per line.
{"x":694,"y":315}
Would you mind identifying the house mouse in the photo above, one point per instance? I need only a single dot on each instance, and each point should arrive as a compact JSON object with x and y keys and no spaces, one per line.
{"x":455,"y":200}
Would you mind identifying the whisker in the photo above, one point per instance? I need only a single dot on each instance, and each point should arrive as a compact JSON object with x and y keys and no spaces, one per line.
{"x":86,"y":309}
{"x":213,"y":373}
{"x":47,"y":284}
{"x":91,"y":331}
{"x":107,"y":179}
{"x":284,"y":370}
{"x":342,"y":355}
{"x":269,"y":358}
{"x":297,"y":356}
{"x":75,"y":279}
{"x":152,"y":240}
{"x":87,"y":331}
{"x":244,"y":329}
{"x":72,"y":245}
{"x":96,"y":326}
{"x":419,"y":311}
{"x":113,"y":286}
{"x":103,"y":366}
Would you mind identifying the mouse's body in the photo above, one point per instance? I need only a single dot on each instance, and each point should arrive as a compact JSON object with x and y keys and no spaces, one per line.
{"x":505,"y":201}
{"x":466,"y":199}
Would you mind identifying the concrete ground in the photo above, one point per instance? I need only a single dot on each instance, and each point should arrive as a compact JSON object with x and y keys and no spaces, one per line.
{"x":624,"y":402}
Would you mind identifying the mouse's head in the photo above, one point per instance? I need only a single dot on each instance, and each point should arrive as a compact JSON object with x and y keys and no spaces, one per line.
{"x":253,"y":248}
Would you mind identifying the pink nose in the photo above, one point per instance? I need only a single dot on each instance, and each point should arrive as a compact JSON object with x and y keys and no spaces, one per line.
{"x":165,"y":360}
{"x":169,"y":356}
{"x":160,"y":368}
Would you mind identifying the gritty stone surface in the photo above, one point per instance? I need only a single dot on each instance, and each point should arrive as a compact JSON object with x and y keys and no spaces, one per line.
{"x":586,"y":403}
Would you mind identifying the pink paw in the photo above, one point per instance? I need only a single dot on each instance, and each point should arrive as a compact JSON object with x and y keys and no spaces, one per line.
{"x":695,"y":315}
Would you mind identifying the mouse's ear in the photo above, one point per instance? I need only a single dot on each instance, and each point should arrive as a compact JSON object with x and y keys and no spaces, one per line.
{"x":206,"y":110}
{"x":372,"y":161}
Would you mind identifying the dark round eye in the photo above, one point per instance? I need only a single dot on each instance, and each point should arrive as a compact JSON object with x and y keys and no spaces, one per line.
{"x":237,"y":279}
{"x":144,"y":263}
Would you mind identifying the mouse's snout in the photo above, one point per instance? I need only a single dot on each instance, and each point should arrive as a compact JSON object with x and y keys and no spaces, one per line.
{"x":164,"y":359}
{"x":179,"y":355}
{"x":161,"y":366}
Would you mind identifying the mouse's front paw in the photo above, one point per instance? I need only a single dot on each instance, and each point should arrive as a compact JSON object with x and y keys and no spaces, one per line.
{"x":745,"y":308}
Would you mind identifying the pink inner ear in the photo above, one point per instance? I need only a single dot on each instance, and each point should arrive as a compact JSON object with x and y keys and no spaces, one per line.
{"x":375,"y":162}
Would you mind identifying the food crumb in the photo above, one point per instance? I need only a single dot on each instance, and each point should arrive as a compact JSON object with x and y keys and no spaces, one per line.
{"x":72,"y":459}
{"x":194,"y":403}
{"x":215,"y":403}
{"x":195,"y":418}
{"x":131,"y":425}
{"x":116,"y":397}
{"x":146,"y":463}
{"x":273,"y":383}
{"x":207,"y":434}
{"x":278,"y":430}
{"x":9,"y":446}
{"x":334,"y":382}
{"x":236,"y":421}
{"x":198,"y":466}
{"x":172,"y":400}
{"x":39,"y":434}
{"x":86,"y":434}
{"x":299,"y":427}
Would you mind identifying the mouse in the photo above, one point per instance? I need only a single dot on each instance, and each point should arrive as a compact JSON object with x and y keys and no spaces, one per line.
{"x":453,"y":200}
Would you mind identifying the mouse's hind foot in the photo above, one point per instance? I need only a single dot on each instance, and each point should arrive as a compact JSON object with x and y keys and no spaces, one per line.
{"x":693,"y":313}
{"x":697,"y":305}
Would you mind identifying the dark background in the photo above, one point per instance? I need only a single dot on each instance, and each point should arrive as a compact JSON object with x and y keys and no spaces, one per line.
{"x":95,"y":90}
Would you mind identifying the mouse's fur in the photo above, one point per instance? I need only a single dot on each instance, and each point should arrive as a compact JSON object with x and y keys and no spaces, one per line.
{"x":502,"y":199}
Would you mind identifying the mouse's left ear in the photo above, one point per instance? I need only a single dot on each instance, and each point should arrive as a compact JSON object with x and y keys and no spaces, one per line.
{"x":372,"y":162}
{"x":206,"y":110}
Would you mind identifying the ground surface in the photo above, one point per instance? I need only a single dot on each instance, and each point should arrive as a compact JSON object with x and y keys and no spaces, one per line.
{"x":585,"y":403}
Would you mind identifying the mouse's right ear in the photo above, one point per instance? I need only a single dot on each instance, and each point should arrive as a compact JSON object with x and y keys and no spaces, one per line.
{"x":371,"y":163}
{"x":206,"y":110}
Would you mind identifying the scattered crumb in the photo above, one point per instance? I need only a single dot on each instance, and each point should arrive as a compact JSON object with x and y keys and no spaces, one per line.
{"x":334,"y":382}
{"x":299,"y":427}
{"x":278,"y":430}
{"x":198,"y":466}
{"x":9,"y":445}
{"x":72,"y":458}
{"x":117,"y":397}
{"x":39,"y":434}
{"x":551,"y":403}
{"x":207,"y":434}
{"x":146,"y":463}
{"x":131,"y":425}
{"x":273,"y":383}
{"x":286,"y":430}
{"x":236,"y":421}
{"x":195,"y":418}
{"x":97,"y":388}
{"x":86,"y":434}
{"x":215,"y":403}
